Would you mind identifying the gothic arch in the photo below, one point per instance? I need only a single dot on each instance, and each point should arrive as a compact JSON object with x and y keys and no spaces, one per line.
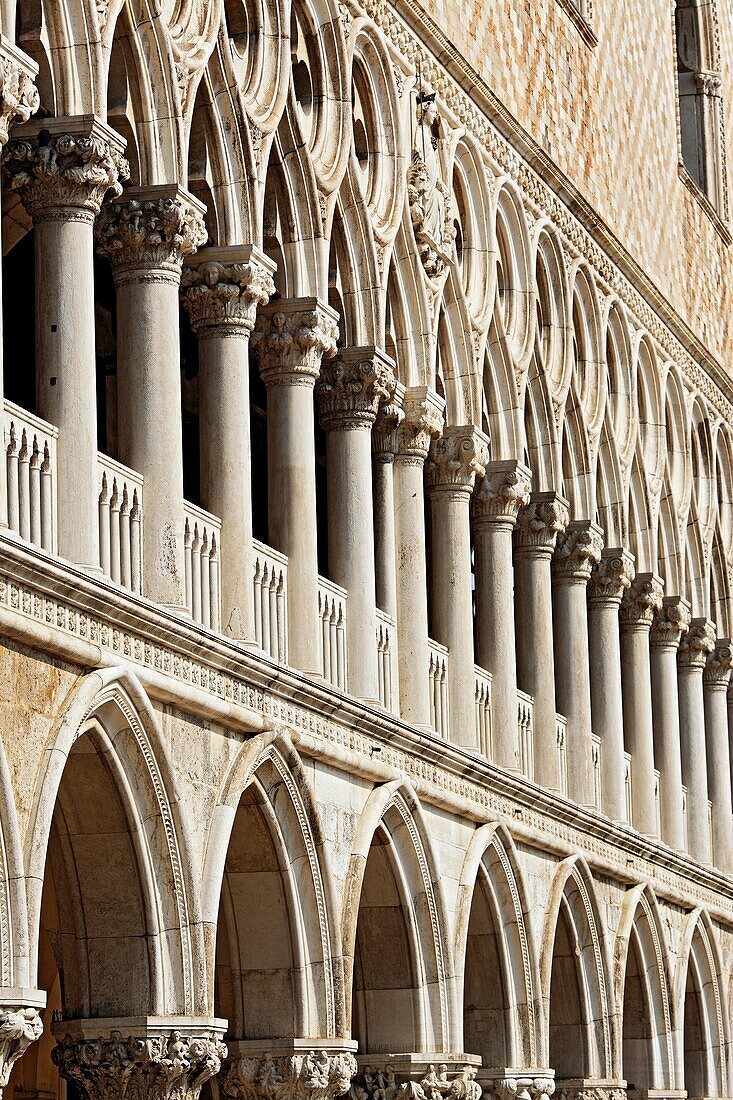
{"x":701,"y":1011}
{"x":582,"y":1043}
{"x":643,"y":994}
{"x":109,"y":719}
{"x":513,"y":320}
{"x":491,"y":875}
{"x":266,"y":823}
{"x":403,"y":952}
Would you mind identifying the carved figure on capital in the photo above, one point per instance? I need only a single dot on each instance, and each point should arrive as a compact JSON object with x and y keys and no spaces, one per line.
{"x":719,"y":664}
{"x":540,"y":523}
{"x":150,"y":229}
{"x":221,"y":295}
{"x":423,"y":421}
{"x":352,"y":386}
{"x":523,"y":1088}
{"x":696,"y":645}
{"x":19,"y":97}
{"x":428,"y":194}
{"x":457,"y":458}
{"x":291,"y":342}
{"x":384,"y":431}
{"x":671,"y":621}
{"x":641,"y":601}
{"x":578,"y":551}
{"x":502,"y":493}
{"x":19,"y":1027}
{"x":315,"y":1075}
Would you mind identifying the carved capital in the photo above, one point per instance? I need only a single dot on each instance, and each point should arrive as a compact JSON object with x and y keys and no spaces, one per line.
{"x":457,"y":459}
{"x":423,"y":421}
{"x":292,"y":337}
{"x":440,"y":1083}
{"x":64,"y":165}
{"x":611,"y":577}
{"x":671,"y":621}
{"x":139,"y":1067}
{"x":384,"y":431}
{"x":307,"y":1075}
{"x":352,"y":386}
{"x":19,"y":1027}
{"x":708,"y":84}
{"x":540,"y":523}
{"x":578,"y":550}
{"x":697,"y":644}
{"x":641,"y":601}
{"x":719,"y":664}
{"x":19,"y":97}
{"x":503,"y":491}
{"x":223,"y":287}
{"x":150,"y":230}
{"x":522,"y":1088}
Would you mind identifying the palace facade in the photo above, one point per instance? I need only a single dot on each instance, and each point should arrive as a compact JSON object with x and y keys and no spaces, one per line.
{"x":366,"y":548}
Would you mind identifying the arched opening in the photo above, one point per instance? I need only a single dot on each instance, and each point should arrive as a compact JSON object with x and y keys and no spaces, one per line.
{"x":569,"y":1055}
{"x":486,"y":1004}
{"x":638,"y":1068}
{"x":700,"y":98}
{"x":694,"y":1039}
{"x":703,"y":1028}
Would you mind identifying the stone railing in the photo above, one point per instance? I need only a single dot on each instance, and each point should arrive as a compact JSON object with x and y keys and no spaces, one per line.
{"x":561,"y":735}
{"x":386,"y":633}
{"x":270,"y":580}
{"x":595,"y":750}
{"x":525,"y":725}
{"x":202,"y":535}
{"x":438,"y":679}
{"x":30,"y":455}
{"x":627,"y":788}
{"x":332,"y":614}
{"x":120,"y":523}
{"x":483,"y":711}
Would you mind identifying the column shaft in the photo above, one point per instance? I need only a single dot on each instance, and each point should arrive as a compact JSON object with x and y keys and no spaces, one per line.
{"x":692,"y":655}
{"x":670,"y":622}
{"x":716,"y":679}
{"x":384,"y":448}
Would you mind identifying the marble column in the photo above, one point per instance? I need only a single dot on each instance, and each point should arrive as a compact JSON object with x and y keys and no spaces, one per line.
{"x":671,"y":621}
{"x":18,"y":101}
{"x":146,"y":235}
{"x":349,"y":391}
{"x":577,"y":552}
{"x":423,"y":421}
{"x":716,"y":679}
{"x":454,"y":462}
{"x":638,"y":608}
{"x":538,"y":526}
{"x":292,"y":337}
{"x":610,"y":579}
{"x":147,"y":1057}
{"x":222,"y":289}
{"x":692,"y":656}
{"x":500,"y":495}
{"x":384,"y":449}
{"x":62,"y":168}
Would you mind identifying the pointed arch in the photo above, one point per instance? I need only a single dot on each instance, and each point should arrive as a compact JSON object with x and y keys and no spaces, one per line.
{"x":701,"y":1011}
{"x":492,"y":924}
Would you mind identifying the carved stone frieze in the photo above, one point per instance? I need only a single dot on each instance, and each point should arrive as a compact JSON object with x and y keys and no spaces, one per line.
{"x":423,"y":421}
{"x":352,"y":386}
{"x":457,"y":459}
{"x":388,"y":1082}
{"x":719,"y":664}
{"x":56,"y":171}
{"x":502,"y":493}
{"x":384,"y":431}
{"x":292,"y":337}
{"x":540,"y":523}
{"x":310,"y":1075}
{"x":578,"y":550}
{"x":19,"y":97}
{"x":144,"y":1067}
{"x":641,"y":601}
{"x":150,"y":230}
{"x":522,"y":1088}
{"x":612,"y":576}
{"x":671,"y":621}
{"x":696,"y":644}
{"x":19,"y":1027}
{"x":222,"y":288}
{"x":592,"y":1092}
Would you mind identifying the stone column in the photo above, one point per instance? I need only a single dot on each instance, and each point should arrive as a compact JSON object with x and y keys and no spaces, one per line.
{"x":291,"y":338}
{"x":538,"y":527}
{"x":638,"y":607}
{"x":384,"y":449}
{"x":577,"y":552}
{"x":138,"y":1059}
{"x":18,"y":101}
{"x":454,"y":462}
{"x":692,"y":656}
{"x":671,"y":621}
{"x":222,"y":289}
{"x":609,"y":580}
{"x":716,"y":679}
{"x":145,"y":236}
{"x":348,"y":393}
{"x":424,"y":412}
{"x":289,"y":1068}
{"x":503,"y":491}
{"x":62,"y":169}
{"x":20,"y":1025}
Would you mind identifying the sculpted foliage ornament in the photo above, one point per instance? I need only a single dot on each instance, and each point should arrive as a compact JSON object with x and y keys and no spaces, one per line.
{"x":150,"y":230}
{"x":642,"y":600}
{"x":578,"y":551}
{"x":381,"y":1083}
{"x":523,"y":1088}
{"x":19,"y":97}
{"x":141,"y":1068}
{"x":719,"y":664}
{"x":291,"y":339}
{"x":611,"y":577}
{"x":316,"y":1075}
{"x":19,"y":1027}
{"x":457,"y":458}
{"x":697,"y":643}
{"x":502,"y":493}
{"x":352,"y":386}
{"x":52,"y":171}
{"x":671,"y":621}
{"x":541,"y":522}
{"x":219,"y":295}
{"x":423,"y":421}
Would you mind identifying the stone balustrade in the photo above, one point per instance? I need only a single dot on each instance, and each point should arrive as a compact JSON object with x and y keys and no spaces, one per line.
{"x":332,"y":617}
{"x":386,"y":638}
{"x":202,"y":538}
{"x":270,"y":584}
{"x":120,"y":523}
{"x":30,"y":456}
{"x":483,"y":710}
{"x":438,"y":685}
